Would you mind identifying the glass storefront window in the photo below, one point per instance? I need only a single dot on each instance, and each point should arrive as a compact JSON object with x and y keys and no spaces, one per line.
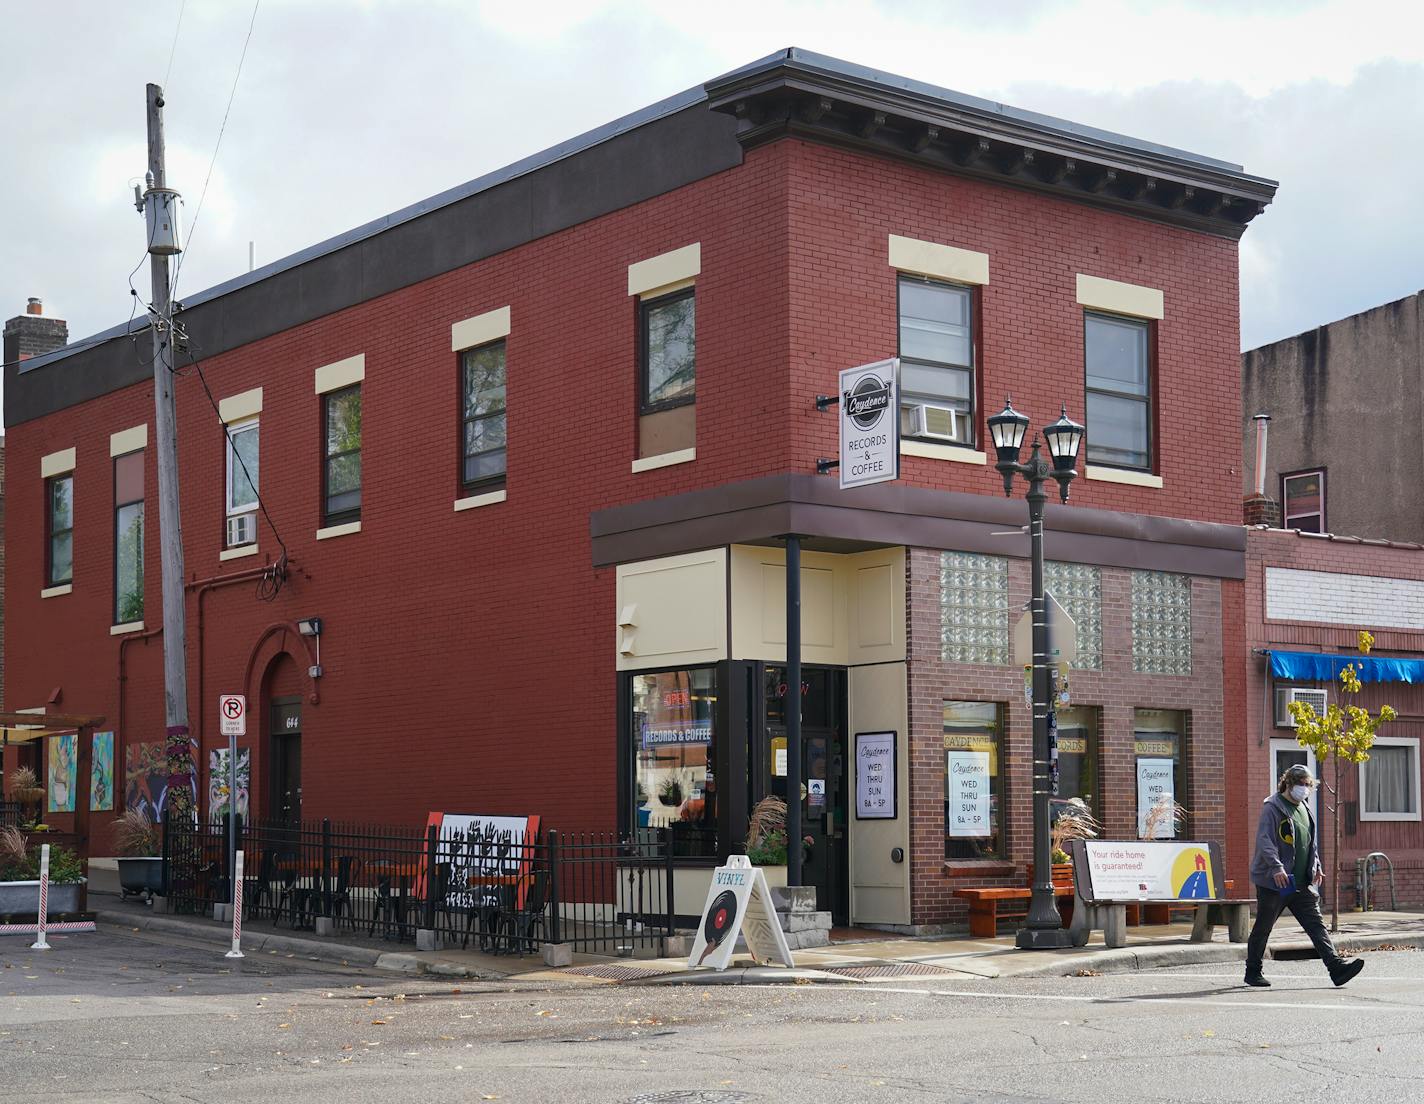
{"x":973,"y":780}
{"x":674,"y":736}
{"x":1078,"y":756}
{"x":1159,"y":738}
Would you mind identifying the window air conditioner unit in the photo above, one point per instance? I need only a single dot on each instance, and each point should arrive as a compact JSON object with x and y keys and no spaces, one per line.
{"x":940,"y":422}
{"x":241,"y":529}
{"x":1316,"y":699}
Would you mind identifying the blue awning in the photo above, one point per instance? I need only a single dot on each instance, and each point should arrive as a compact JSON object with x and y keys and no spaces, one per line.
{"x":1326,"y":667}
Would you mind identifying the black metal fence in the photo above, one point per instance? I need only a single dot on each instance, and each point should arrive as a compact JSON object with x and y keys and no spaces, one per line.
{"x":497,"y":893}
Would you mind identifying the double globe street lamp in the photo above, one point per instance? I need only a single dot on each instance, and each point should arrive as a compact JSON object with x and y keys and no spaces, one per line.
{"x":1043,"y":928}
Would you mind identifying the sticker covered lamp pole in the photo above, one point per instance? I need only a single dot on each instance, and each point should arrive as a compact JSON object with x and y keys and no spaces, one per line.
{"x":1044,"y":927}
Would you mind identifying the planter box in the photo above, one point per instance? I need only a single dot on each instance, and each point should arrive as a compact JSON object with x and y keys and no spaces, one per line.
{"x":23,"y":898}
{"x":141,"y":875}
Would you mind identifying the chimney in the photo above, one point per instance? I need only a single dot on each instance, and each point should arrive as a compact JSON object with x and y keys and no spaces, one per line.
{"x":32,"y":333}
{"x":1259,"y":507}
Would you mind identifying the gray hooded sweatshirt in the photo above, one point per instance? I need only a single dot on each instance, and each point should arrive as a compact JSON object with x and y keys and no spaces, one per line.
{"x":1276,"y":843}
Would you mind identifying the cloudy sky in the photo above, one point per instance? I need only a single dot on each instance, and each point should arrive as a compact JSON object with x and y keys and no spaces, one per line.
{"x":348,"y":109}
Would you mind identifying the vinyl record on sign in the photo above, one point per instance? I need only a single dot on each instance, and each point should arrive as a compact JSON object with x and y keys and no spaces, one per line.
{"x":718,"y":921}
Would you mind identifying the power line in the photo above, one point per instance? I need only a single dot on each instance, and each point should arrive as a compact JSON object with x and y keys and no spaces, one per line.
{"x":198,"y":211}
{"x":174,"y":48}
{"x":278,"y":575}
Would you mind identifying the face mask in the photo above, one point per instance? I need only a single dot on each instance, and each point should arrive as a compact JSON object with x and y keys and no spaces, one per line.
{"x":1299,"y":793}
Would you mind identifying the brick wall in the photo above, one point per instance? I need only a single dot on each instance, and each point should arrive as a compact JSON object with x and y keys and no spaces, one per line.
{"x":1340,"y":573}
{"x":469,"y":656}
{"x":1116,"y":689}
{"x":843,"y":309}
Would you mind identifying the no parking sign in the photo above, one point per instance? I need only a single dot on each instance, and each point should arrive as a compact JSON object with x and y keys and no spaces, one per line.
{"x":232,"y":715}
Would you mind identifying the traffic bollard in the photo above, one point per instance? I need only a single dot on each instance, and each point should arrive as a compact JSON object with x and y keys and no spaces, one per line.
{"x":236,"y":951}
{"x":40,"y":944}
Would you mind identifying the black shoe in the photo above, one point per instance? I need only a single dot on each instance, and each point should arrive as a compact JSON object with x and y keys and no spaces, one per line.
{"x":1258,"y":980}
{"x":1347,"y":970}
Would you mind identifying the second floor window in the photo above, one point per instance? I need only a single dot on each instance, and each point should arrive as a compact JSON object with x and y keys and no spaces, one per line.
{"x":668,"y":353}
{"x":482,"y":447}
{"x":1119,"y":386}
{"x":60,"y":523}
{"x":341,"y":476}
{"x":936,"y":361}
{"x":241,"y":484}
{"x":1303,"y":501}
{"x":128,"y":538}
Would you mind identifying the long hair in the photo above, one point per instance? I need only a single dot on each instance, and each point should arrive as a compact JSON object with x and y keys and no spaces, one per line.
{"x":1290,"y":776}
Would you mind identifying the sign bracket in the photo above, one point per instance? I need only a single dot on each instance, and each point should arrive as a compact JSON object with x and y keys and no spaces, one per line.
{"x":824,"y":466}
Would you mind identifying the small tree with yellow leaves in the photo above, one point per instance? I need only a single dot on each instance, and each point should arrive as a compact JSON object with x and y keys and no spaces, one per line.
{"x":1346,"y":736}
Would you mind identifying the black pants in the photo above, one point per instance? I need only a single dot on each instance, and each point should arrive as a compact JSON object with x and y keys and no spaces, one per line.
{"x":1305,"y":906}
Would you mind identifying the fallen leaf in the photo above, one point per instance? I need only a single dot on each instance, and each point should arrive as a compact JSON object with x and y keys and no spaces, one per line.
{"x":284,"y":1025}
{"x":382,"y":1022}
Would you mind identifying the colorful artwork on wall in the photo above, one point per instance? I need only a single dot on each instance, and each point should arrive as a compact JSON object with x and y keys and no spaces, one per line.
{"x":218,"y":782}
{"x":146,"y":778}
{"x":101,"y":773}
{"x":62,"y":780}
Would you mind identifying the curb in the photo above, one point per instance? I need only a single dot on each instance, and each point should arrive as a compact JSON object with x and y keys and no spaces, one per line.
{"x":1121,"y":960}
{"x":342,"y":954}
{"x":747,"y":975}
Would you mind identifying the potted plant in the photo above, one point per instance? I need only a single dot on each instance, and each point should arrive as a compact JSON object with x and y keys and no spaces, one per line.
{"x":140,"y":868}
{"x":26,"y":791}
{"x":670,"y":793}
{"x":766,"y":838}
{"x":1075,"y":821}
{"x":20,"y":872}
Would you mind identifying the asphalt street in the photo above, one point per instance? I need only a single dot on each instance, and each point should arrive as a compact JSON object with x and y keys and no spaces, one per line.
{"x":124,"y":1017}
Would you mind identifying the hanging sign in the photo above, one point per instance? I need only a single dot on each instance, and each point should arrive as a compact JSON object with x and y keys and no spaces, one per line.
{"x":1154,"y":787}
{"x":969,"y":792}
{"x":870,"y":424}
{"x":738,"y":901}
{"x":875,"y":783}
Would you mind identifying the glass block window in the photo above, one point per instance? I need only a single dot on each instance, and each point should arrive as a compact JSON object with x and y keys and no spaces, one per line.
{"x":1079,"y":590}
{"x":974,"y":608}
{"x":1161,"y":623}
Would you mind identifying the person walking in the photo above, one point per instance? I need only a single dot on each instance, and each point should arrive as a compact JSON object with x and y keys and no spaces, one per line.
{"x":1287,"y":874}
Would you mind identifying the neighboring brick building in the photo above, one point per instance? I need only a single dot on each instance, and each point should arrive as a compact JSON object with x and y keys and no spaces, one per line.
{"x":1307,"y":599}
{"x":1345,"y":402}
{"x":558,"y":591}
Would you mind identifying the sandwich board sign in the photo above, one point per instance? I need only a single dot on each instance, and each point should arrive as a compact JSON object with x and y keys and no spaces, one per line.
{"x":738,"y":900}
{"x":870,"y":424}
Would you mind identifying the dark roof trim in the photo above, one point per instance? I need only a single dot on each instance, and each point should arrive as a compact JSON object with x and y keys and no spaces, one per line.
{"x":821,"y":98}
{"x":759,"y":511}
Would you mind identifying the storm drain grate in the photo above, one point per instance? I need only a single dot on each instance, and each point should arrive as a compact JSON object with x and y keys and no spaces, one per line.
{"x":614,"y":973}
{"x":895,"y":970}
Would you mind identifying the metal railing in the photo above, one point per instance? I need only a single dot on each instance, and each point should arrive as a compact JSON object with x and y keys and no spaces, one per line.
{"x":597,"y":891}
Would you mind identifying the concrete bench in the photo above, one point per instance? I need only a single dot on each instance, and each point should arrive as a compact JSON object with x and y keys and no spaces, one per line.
{"x":988,"y":906}
{"x":1095,"y":909}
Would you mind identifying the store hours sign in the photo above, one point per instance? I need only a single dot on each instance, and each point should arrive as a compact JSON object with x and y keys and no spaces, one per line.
{"x":875,"y":776}
{"x":870,"y":424}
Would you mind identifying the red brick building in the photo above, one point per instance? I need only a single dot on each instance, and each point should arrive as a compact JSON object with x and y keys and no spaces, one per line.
{"x":1308,"y":596}
{"x":579,"y":398}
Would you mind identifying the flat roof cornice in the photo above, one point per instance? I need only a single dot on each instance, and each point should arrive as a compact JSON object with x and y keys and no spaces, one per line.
{"x":822,"y":98}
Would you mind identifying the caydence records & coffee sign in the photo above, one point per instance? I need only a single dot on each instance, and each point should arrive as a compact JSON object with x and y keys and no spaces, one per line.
{"x":870,"y":424}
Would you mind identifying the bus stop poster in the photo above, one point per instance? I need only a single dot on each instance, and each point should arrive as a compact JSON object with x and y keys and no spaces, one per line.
{"x":1150,"y":870}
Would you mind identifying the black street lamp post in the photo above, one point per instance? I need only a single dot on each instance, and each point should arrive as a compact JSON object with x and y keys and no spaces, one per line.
{"x":1044,"y":927}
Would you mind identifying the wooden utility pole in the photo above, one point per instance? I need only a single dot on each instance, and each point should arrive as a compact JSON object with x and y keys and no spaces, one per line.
{"x":170,"y":529}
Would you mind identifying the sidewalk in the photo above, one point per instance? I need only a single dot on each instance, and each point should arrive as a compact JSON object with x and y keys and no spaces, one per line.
{"x":943,"y":957}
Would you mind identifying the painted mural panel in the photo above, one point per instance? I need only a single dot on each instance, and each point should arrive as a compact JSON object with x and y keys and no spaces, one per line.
{"x":146,"y":778}
{"x":101,"y":773}
{"x":218,"y":782}
{"x":62,"y":780}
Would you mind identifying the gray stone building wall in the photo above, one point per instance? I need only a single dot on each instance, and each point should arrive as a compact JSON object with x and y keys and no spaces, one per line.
{"x":1348,"y":398}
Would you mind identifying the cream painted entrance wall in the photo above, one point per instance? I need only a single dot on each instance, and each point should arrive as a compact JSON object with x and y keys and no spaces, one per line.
{"x":676,"y":611}
{"x":852,"y":607}
{"x":879,"y":886}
